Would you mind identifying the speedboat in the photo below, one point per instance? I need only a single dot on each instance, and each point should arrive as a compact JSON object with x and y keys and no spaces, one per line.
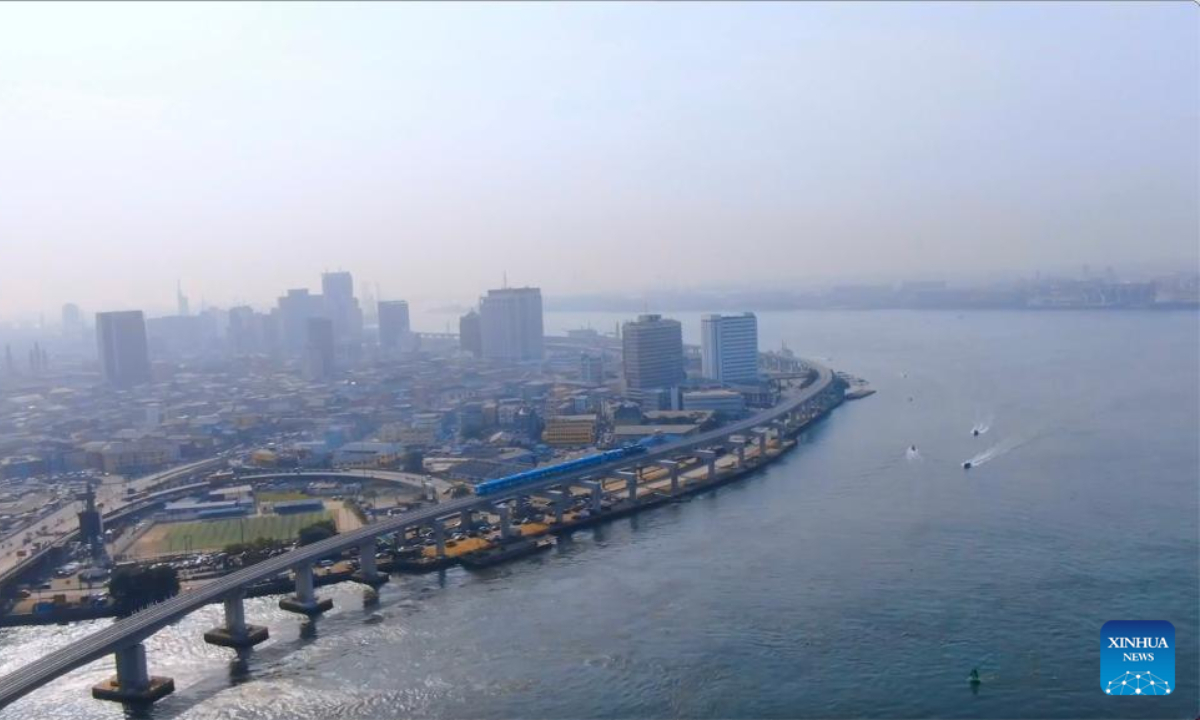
{"x":967,"y":465}
{"x":975,"y":432}
{"x":912,"y":448}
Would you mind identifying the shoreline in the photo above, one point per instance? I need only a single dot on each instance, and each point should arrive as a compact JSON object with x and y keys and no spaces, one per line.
{"x":620,"y":509}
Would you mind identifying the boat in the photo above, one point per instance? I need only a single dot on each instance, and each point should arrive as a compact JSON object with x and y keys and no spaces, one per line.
{"x":504,"y":551}
{"x":967,"y":465}
{"x":912,"y":448}
{"x":975,"y":432}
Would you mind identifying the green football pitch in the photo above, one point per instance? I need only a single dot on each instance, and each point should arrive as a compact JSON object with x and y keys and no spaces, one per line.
{"x":205,"y":535}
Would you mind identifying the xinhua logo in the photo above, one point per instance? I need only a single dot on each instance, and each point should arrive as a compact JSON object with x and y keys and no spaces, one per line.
{"x":1137,"y":657}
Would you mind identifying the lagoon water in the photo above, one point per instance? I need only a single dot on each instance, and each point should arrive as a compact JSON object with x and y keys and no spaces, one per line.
{"x":850,"y":579}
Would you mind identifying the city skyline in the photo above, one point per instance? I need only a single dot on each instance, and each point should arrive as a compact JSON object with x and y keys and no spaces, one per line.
{"x":618,"y":153}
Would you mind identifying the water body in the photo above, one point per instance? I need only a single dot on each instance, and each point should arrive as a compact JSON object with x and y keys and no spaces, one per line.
{"x":845,"y":580}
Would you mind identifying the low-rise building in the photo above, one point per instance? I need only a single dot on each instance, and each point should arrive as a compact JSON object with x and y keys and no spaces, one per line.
{"x":367,"y":454}
{"x":570,"y":431}
{"x":726,"y":402}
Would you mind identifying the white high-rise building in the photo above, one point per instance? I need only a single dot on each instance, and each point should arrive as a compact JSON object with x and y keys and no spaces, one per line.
{"x":729,"y":347}
{"x":510,"y":323}
{"x":342,"y":307}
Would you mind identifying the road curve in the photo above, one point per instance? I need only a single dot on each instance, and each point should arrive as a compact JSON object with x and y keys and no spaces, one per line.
{"x":145,"y":623}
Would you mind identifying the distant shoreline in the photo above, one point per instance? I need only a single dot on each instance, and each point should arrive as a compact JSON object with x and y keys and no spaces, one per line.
{"x":719,"y":307}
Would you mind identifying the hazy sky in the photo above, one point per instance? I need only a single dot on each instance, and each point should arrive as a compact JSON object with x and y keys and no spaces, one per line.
{"x":428,"y":148}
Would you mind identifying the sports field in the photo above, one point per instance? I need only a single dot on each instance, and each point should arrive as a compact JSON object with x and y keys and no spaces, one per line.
{"x":210,"y":535}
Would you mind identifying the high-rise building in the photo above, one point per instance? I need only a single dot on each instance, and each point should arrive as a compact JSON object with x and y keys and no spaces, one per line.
{"x":295,"y":309}
{"x":342,"y":307}
{"x":729,"y":347}
{"x":121,"y":343}
{"x":245,"y":334}
{"x":510,"y":321}
{"x":319,"y":355}
{"x":470,"y":334}
{"x":337,"y":286}
{"x":591,"y":368}
{"x":393,"y":324}
{"x":72,"y":322}
{"x":181,"y":300}
{"x":652,"y":349}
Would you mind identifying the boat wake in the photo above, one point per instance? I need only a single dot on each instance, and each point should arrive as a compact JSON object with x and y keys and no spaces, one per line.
{"x":1000,"y":449}
{"x":981,"y":426}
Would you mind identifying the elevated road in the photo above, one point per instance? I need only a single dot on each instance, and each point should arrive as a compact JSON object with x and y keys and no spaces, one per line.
{"x":410,"y":480}
{"x":141,"y":625}
{"x":115,"y":504}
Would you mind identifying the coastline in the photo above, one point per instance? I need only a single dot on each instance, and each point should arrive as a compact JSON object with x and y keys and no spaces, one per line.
{"x":620,"y":509}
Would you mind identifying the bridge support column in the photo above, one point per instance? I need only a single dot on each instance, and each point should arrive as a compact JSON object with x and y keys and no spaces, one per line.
{"x":466,"y":520}
{"x":368,"y":570}
{"x":559,"y":499}
{"x":506,"y":528}
{"x":133,"y":683}
{"x":236,"y":633}
{"x":741,"y":454}
{"x":631,"y":483}
{"x":439,"y":536}
{"x":505,"y":521}
{"x":673,"y":468}
{"x":710,"y":458}
{"x":596,"y":494}
{"x":305,"y":601}
{"x":762,"y":445}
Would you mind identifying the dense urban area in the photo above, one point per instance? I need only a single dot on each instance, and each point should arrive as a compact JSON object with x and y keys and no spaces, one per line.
{"x":204,"y":441}
{"x":199,"y":455}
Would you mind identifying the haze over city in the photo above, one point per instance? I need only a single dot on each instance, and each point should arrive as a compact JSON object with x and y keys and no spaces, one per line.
{"x":243,"y":148}
{"x":599,"y":360}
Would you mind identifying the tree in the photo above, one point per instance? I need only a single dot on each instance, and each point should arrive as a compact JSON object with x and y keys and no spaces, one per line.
{"x":414,"y":461}
{"x":133,"y":588}
{"x":317,"y":532}
{"x":255,"y":551}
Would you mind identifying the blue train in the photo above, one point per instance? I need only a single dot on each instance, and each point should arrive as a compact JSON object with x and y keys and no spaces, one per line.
{"x":510,"y":481}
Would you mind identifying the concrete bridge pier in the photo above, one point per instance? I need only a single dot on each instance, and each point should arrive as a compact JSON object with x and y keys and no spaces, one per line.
{"x":631,"y":482}
{"x":236,"y":633}
{"x":506,"y":528}
{"x":133,"y":684}
{"x":673,"y":467}
{"x":368,"y":570}
{"x":439,"y":536}
{"x":559,"y":498}
{"x":710,"y":459}
{"x":741,"y":455}
{"x":305,"y":601}
{"x":466,"y":520}
{"x":595,"y":490}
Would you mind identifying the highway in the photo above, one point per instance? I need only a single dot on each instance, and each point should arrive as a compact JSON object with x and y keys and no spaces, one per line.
{"x":64,"y":525}
{"x":145,"y":623}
